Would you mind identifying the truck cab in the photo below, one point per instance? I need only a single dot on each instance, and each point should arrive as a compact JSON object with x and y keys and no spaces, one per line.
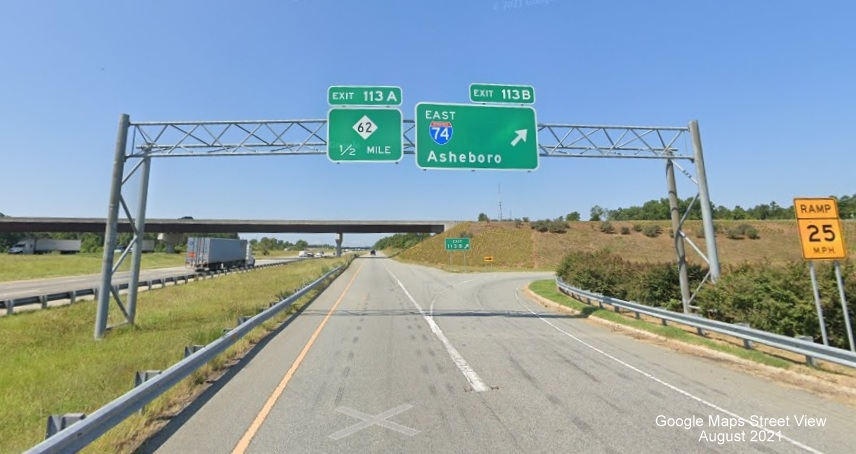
{"x":26,"y":246}
{"x":18,"y":248}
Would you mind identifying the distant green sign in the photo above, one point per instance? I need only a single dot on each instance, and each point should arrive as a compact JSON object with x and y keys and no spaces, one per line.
{"x":364,"y":96}
{"x":476,"y":137}
{"x":364,"y":135}
{"x":457,"y":244}
{"x":514,"y":94}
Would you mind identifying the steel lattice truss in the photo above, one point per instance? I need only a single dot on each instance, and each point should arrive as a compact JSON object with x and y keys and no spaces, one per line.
{"x":295,"y":137}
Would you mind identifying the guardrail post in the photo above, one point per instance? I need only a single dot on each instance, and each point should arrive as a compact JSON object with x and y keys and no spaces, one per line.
{"x":664,"y":322}
{"x":57,"y":423}
{"x":243,"y":319}
{"x":10,"y":307}
{"x":43,"y":300}
{"x":747,"y":344}
{"x":808,"y":359}
{"x":638,"y":316}
{"x":191,"y":349}
{"x":699,"y":330}
{"x":142,"y":376}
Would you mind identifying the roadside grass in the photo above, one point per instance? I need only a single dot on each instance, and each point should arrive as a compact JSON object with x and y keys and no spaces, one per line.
{"x":516,"y":246}
{"x":547,"y":289}
{"x":508,"y":246}
{"x":21,"y":267}
{"x":52,"y":364}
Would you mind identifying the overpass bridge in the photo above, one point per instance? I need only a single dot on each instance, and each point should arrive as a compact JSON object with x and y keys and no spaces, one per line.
{"x":98,"y":225}
{"x":171,"y":228}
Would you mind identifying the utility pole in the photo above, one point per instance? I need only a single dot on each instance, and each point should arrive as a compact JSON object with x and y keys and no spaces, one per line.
{"x":499,"y":189}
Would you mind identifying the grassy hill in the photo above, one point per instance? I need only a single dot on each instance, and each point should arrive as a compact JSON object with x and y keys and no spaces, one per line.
{"x":519,"y":246}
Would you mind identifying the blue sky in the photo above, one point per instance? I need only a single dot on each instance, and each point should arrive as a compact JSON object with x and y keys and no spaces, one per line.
{"x":772,"y":84}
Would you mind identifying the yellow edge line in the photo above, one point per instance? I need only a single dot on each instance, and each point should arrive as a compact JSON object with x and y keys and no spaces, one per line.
{"x":244,"y":443}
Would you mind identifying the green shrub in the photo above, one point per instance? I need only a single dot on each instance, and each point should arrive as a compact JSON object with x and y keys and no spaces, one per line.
{"x":557,"y":226}
{"x":752,"y":233}
{"x":549,"y":225}
{"x":773,"y":298}
{"x":625,"y":230}
{"x":734,"y":234}
{"x":606,"y":227}
{"x":637,"y":227}
{"x":652,"y":230}
{"x":748,"y":231}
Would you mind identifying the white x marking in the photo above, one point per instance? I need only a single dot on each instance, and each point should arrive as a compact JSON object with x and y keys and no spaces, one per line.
{"x":369,"y":420}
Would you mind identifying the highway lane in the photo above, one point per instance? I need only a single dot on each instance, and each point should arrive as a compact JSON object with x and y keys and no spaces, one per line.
{"x":403,"y":358}
{"x":36,"y":287}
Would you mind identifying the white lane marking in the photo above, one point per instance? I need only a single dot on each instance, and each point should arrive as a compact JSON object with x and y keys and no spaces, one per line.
{"x":476,"y":382}
{"x":664,"y":383}
{"x":431,"y":308}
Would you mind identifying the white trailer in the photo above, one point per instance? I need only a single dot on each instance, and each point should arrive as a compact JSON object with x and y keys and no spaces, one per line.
{"x":218,"y":253}
{"x":45,"y":245}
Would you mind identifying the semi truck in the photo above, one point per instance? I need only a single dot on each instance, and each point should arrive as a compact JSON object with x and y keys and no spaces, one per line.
{"x":44,"y":246}
{"x":218,"y":253}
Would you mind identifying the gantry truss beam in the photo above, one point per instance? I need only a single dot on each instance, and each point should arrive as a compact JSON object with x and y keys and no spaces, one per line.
{"x":298,"y":137}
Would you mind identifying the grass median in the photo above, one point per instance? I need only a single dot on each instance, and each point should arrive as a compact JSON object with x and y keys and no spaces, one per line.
{"x":21,"y":267}
{"x":52,"y":365}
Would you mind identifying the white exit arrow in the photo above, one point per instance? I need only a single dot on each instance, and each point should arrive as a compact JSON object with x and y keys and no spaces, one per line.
{"x":521,"y":135}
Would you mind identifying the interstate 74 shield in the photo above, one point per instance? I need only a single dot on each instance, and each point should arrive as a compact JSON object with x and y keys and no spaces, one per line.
{"x":440,"y":131}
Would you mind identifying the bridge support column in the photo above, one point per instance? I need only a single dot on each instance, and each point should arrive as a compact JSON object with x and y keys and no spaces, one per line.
{"x":170,"y":239}
{"x":339,"y":245}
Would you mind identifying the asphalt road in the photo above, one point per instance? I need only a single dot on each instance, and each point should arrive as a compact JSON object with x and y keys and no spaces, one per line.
{"x":36,"y":287}
{"x":403,"y":358}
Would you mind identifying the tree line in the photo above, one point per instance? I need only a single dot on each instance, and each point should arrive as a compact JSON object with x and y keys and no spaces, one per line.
{"x":658,"y":210}
{"x":400,"y":241}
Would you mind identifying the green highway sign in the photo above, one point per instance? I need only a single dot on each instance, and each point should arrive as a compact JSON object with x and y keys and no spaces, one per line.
{"x":457,"y":244}
{"x":363,"y":96}
{"x":364,"y":135}
{"x":476,"y":137}
{"x":494,"y":93}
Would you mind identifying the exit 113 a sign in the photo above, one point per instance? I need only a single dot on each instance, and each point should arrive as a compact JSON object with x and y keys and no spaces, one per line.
{"x":351,"y":95}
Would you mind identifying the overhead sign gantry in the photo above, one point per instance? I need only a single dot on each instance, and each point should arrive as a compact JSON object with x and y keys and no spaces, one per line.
{"x":365,"y":125}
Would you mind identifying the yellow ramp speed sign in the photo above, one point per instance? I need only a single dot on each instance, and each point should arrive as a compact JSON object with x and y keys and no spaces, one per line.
{"x":820,"y":229}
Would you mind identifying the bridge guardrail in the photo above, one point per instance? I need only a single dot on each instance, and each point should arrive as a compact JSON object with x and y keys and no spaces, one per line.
{"x":80,"y":434}
{"x":10,"y":303}
{"x":794,"y":345}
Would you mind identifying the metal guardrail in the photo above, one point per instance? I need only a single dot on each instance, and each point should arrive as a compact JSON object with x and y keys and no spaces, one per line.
{"x":799,"y":346}
{"x":44,"y":299}
{"x":80,"y":434}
